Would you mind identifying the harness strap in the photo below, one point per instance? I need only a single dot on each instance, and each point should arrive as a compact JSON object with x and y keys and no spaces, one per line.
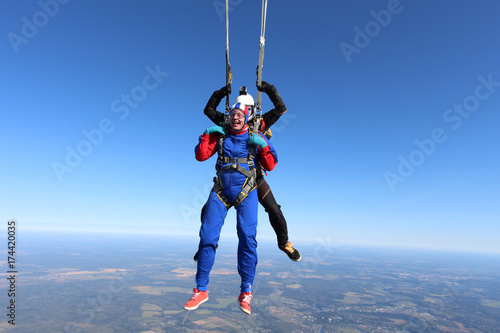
{"x":249,"y":186}
{"x":239,"y":168}
{"x":235,"y":161}
{"x":220,"y":193}
{"x":251,"y":175}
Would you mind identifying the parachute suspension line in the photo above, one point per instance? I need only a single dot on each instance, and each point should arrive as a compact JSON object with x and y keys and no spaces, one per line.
{"x":258,"y":108}
{"x":263,"y":22}
{"x":229,"y":75}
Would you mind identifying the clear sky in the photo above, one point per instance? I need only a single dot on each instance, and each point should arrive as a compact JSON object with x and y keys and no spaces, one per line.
{"x":391,"y":135}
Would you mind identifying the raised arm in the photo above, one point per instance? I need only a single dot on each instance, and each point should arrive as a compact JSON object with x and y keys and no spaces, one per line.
{"x":273,"y":115}
{"x":211,"y":108}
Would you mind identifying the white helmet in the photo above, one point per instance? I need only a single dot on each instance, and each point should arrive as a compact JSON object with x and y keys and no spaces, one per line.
{"x":247,"y":100}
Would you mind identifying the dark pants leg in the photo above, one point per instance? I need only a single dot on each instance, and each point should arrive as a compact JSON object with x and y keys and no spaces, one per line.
{"x":276,"y":218}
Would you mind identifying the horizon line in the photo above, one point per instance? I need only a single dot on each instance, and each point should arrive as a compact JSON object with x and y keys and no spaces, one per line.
{"x":320,"y":241}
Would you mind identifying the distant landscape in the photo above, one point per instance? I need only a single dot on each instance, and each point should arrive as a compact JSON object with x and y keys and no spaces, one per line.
{"x":104,"y":283}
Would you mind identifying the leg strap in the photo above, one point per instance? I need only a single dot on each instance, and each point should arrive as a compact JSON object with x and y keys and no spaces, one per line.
{"x":250,"y":185}
{"x":220,"y":193}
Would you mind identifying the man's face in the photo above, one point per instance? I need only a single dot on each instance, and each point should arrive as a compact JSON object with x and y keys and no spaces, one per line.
{"x":236,"y":119}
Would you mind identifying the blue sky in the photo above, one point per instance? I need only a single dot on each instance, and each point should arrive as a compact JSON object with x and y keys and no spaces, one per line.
{"x":391,"y":135}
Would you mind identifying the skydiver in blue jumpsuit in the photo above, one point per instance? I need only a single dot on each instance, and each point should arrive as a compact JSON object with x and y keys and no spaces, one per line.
{"x":236,"y":186}
{"x":266,"y":196}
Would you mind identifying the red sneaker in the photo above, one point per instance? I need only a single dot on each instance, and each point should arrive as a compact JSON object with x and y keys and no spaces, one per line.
{"x":198,"y":298}
{"x":244,"y":300}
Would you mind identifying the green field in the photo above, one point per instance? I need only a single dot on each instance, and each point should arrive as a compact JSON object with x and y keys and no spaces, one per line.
{"x":492,"y":304}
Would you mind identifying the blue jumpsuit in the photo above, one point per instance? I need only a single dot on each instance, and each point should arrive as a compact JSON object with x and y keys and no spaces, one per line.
{"x":235,"y":145}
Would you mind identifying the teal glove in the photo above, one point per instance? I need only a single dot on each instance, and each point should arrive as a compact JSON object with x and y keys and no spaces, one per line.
{"x":257,"y":140}
{"x":215,"y":129}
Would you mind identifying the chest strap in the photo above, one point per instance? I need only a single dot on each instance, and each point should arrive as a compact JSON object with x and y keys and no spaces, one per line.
{"x":235,"y":160}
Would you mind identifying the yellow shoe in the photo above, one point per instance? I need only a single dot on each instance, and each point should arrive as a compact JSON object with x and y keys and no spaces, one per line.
{"x":292,"y":253}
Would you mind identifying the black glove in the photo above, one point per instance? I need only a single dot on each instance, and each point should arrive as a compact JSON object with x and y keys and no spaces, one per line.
{"x":264,"y":87}
{"x":215,"y":99}
{"x":226,"y":90}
